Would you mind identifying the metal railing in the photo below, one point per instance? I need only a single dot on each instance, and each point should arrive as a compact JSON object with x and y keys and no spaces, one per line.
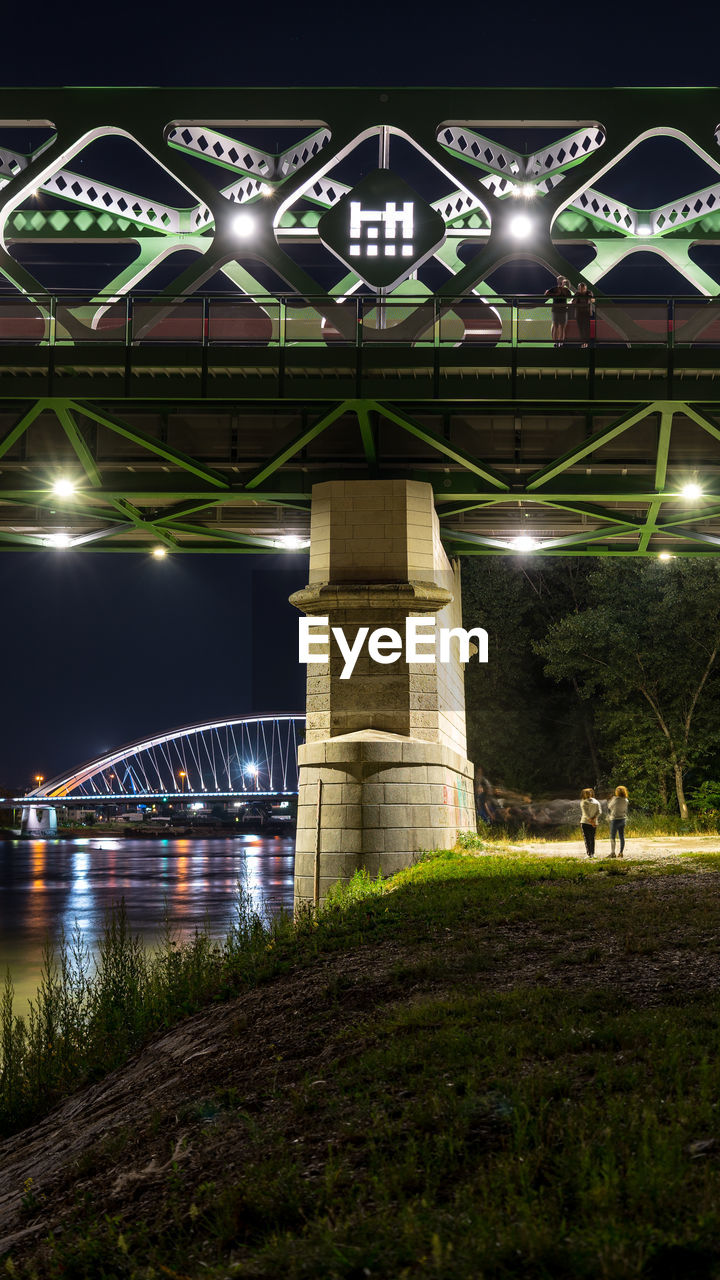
{"x":137,"y":319}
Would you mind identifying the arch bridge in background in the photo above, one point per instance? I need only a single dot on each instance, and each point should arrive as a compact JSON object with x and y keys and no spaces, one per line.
{"x":241,"y":758}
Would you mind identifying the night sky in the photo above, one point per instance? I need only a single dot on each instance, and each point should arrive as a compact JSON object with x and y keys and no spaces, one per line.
{"x":100,"y":649}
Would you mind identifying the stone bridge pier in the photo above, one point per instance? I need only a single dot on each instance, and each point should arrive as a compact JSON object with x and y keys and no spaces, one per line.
{"x":384,"y":771}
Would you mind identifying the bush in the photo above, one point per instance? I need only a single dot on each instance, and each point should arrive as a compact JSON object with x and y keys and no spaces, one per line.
{"x":706,"y":800}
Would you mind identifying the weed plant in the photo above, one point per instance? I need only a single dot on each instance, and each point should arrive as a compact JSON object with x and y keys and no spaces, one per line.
{"x":88,"y":1018}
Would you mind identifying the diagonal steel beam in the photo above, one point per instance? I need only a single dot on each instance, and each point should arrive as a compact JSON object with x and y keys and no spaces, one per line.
{"x":663,"y":447}
{"x":51,"y":502}
{"x":21,"y":539}
{"x":587,"y":509}
{"x":479,"y":504}
{"x":568,"y":540}
{"x":701,"y":419}
{"x":688,"y":517}
{"x":22,"y":425}
{"x":367,"y":435}
{"x":691,"y":535}
{"x":294,"y":446}
{"x":98,"y":535}
{"x":650,"y":526}
{"x":229,"y":535}
{"x":182,"y":509}
{"x":135,"y":517}
{"x":79,"y":444}
{"x":592,"y":443}
{"x":443,"y":446}
{"x":147,"y":442}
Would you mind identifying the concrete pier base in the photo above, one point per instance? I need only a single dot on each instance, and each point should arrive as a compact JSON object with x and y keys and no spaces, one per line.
{"x":383,"y":798}
{"x":38,"y":820}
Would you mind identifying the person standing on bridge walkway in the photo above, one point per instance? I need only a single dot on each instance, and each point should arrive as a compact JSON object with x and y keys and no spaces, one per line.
{"x":559,"y":294}
{"x":583,"y":304}
{"x":617,"y":808}
{"x":590,"y":810}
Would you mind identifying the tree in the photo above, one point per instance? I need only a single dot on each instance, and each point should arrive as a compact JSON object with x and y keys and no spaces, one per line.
{"x":647,"y":644}
{"x":522,"y":729}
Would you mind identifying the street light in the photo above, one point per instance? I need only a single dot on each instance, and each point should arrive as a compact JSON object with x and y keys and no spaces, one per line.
{"x":521,"y":227}
{"x":39,"y":778}
{"x":182,"y":776}
{"x":292,"y":542}
{"x":243,"y":225}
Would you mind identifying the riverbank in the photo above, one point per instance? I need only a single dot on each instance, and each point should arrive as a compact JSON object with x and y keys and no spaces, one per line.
{"x":495,"y":1064}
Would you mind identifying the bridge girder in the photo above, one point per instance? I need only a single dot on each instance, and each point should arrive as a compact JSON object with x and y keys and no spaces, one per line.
{"x":601,"y":479}
{"x":211,"y":444}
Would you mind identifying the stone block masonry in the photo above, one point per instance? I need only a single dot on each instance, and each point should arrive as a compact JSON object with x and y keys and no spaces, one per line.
{"x":389,"y":743}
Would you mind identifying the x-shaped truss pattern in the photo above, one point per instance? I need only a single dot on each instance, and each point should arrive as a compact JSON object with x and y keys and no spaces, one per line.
{"x":208,"y":146}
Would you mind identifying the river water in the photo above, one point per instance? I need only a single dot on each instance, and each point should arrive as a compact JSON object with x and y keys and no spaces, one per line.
{"x":48,"y":885}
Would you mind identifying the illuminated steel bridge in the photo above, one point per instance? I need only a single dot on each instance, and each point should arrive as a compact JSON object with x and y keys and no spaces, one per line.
{"x":212,"y":299}
{"x":244,"y":759}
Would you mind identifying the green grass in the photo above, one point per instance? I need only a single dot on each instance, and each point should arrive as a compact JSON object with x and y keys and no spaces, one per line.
{"x":503,"y":1109}
{"x":639,"y":825}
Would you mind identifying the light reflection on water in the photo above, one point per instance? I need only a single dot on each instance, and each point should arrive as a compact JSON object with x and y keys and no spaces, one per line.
{"x":47,"y":885}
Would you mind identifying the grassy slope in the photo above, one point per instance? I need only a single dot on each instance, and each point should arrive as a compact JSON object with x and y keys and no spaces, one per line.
{"x":493,"y":1066}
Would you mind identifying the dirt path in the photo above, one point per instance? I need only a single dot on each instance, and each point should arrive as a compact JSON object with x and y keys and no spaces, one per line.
{"x":642,"y":849}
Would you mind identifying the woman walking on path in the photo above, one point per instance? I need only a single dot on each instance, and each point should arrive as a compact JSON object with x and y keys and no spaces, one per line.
{"x":617,"y":808}
{"x":590,"y":810}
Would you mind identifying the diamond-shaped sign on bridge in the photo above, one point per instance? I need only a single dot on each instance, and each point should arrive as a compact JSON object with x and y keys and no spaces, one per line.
{"x":382,"y":229}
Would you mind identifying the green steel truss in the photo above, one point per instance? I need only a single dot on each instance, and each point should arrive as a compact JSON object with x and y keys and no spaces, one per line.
{"x":224,"y":148}
{"x":188,"y":444}
{"x":197,"y":477}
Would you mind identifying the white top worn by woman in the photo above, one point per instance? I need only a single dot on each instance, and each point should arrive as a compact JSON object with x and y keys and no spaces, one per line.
{"x":618,"y":807}
{"x":590,"y":810}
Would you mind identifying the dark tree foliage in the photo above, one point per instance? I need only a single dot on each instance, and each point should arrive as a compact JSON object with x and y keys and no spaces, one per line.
{"x":600,"y":672}
{"x":525,"y":731}
{"x":645,"y":648}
